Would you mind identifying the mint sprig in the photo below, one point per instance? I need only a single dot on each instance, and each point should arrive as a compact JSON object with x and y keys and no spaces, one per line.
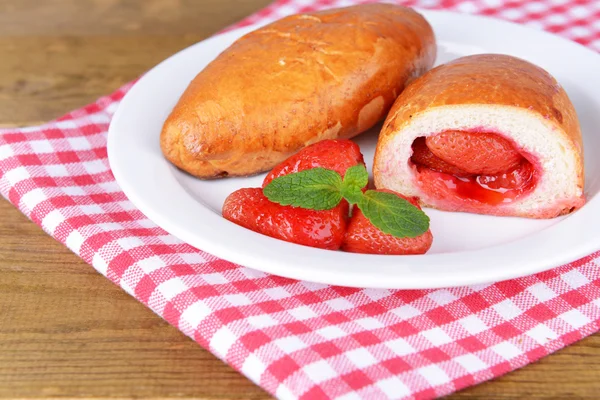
{"x":323,"y":189}
{"x":355,"y":179}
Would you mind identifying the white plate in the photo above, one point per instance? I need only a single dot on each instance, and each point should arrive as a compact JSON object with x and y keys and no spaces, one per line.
{"x":467,"y":249}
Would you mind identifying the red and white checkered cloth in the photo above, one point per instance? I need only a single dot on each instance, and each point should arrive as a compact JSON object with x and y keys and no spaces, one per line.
{"x":300,"y":339}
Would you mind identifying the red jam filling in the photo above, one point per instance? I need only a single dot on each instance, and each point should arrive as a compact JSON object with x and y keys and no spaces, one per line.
{"x":465,"y":153}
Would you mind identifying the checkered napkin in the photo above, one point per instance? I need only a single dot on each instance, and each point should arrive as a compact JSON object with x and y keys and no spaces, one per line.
{"x":301,"y":339}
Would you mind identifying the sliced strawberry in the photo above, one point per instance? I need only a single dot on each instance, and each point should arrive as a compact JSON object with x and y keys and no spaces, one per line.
{"x":424,"y":157}
{"x":486,"y":190}
{"x":363,"y":237}
{"x":516,"y":179}
{"x":251,"y":209}
{"x":338,"y":155}
{"x":475,"y":152}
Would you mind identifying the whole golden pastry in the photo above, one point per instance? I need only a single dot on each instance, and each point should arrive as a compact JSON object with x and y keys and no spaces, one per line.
{"x":304,"y":78}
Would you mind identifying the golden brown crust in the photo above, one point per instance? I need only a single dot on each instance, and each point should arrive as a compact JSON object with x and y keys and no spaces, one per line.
{"x":329,"y":74}
{"x":488,"y":79}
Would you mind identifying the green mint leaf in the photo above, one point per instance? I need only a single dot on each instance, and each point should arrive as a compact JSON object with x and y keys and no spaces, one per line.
{"x":393,"y":215}
{"x":353,"y":194}
{"x":356,"y":176}
{"x":315,"y":189}
{"x":355,"y":179}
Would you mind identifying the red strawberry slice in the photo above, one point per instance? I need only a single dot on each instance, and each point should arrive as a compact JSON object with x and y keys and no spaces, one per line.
{"x":474,"y":152}
{"x":363,"y":237}
{"x":423,"y":156}
{"x":516,"y":179}
{"x":251,"y":209}
{"x":338,"y":155}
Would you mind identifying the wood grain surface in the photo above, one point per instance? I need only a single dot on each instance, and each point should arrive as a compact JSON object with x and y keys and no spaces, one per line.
{"x":66,"y":331}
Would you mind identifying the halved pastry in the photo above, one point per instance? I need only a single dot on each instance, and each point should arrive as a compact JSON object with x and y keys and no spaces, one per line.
{"x":490,"y":134}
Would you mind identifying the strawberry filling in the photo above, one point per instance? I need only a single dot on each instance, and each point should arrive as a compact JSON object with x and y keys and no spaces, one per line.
{"x":480,"y":166}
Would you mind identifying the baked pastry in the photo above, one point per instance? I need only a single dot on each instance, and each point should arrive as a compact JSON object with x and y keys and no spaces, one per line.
{"x":490,"y":134}
{"x":325,"y":75}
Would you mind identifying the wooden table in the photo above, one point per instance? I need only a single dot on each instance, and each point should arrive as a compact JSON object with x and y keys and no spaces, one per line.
{"x":66,"y":331}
